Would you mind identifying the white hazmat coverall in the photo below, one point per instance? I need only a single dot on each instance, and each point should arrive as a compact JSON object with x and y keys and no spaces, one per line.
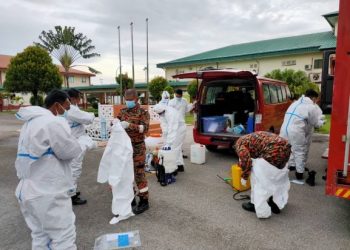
{"x":117,"y":168}
{"x":77,"y":119}
{"x":320,"y":123}
{"x":266,"y":181}
{"x":181,"y":105}
{"x":45,"y":149}
{"x":173,"y":130}
{"x":299,"y":118}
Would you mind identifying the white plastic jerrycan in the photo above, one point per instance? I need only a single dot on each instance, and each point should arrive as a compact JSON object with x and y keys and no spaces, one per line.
{"x":198,"y":154}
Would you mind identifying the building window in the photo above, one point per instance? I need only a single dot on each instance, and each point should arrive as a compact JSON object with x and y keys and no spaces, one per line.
{"x":318,"y":63}
{"x":83,"y":79}
{"x":70,"y":79}
{"x":289,"y":63}
{"x":253,"y":66}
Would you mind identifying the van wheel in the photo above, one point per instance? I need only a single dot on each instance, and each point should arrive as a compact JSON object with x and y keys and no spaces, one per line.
{"x":212,"y":148}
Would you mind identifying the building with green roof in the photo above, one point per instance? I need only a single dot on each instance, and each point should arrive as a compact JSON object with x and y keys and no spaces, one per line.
{"x":302,"y":52}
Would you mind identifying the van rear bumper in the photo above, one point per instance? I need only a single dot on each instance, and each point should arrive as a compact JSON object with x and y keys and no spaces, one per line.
{"x":217,"y":139}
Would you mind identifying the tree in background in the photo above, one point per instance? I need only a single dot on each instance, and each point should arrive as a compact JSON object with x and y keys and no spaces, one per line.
{"x":156,"y":86}
{"x":126,"y":82}
{"x":192,"y":89}
{"x":67,"y":47}
{"x":32,"y":71}
{"x":170,"y":91}
{"x":297,"y":81}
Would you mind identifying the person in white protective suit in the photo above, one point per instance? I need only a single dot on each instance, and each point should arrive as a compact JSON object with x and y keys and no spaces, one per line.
{"x":45,"y":149}
{"x":182,"y":106}
{"x":300,"y":119}
{"x":173,"y":131}
{"x":263,"y":156}
{"x":77,"y":119}
{"x":117,"y":168}
{"x":165,"y":98}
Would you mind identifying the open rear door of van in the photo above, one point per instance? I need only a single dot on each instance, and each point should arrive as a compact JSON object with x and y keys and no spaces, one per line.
{"x":213,"y":74}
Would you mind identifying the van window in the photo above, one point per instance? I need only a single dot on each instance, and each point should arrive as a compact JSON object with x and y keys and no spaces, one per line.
{"x":267,"y":98}
{"x":274,"y":94}
{"x":279,"y":91}
{"x":284,"y":94}
{"x":212,"y":94}
{"x":288,"y":92}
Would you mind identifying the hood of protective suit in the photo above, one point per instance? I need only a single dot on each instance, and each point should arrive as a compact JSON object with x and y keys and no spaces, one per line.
{"x":165,"y":97}
{"x":159,"y":108}
{"x":28,"y":113}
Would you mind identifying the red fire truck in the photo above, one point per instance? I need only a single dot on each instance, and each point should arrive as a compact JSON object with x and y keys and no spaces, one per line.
{"x":338,"y":173}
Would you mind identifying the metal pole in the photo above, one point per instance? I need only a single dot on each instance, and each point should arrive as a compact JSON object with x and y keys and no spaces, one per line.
{"x":120,"y":69}
{"x":147,"y":66}
{"x":132,"y":53}
{"x":347,"y":144}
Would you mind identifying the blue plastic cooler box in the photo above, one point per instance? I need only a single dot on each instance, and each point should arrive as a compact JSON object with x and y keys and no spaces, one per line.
{"x":214,"y":124}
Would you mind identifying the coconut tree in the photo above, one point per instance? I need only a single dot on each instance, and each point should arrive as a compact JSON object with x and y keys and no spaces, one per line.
{"x":67,"y":47}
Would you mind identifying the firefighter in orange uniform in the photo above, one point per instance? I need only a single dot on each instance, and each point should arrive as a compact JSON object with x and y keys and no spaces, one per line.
{"x":135,"y":121}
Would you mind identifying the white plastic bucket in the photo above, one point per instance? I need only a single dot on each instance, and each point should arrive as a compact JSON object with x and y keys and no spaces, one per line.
{"x":167,"y":158}
{"x":197,"y":154}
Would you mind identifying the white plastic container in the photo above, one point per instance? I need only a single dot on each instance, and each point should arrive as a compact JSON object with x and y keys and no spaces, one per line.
{"x":152,"y":143}
{"x":118,"y":241}
{"x":198,"y":154}
{"x":167,"y":158}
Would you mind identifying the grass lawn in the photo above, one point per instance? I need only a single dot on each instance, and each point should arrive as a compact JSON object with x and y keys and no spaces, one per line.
{"x":189,"y":119}
{"x":325,"y":128}
{"x":12,"y":112}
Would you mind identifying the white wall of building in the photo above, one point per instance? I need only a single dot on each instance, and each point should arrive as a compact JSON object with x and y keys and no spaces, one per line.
{"x":261,"y":66}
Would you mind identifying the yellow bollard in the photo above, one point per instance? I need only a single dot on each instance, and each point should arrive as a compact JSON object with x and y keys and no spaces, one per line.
{"x":236,"y":172}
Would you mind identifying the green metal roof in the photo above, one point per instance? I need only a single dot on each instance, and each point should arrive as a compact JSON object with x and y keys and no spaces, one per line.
{"x":332,"y":18}
{"x":114,"y":86}
{"x":261,"y":49}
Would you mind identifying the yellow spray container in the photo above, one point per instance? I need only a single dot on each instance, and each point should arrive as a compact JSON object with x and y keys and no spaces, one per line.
{"x":236,"y":172}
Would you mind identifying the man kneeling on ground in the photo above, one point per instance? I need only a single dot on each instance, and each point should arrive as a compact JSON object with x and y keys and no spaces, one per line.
{"x":263,"y":156}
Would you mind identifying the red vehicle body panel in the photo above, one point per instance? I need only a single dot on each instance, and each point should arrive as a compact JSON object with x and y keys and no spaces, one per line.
{"x":340,"y":104}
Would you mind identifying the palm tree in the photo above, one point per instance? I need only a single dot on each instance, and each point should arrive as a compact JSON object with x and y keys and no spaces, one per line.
{"x":67,"y":47}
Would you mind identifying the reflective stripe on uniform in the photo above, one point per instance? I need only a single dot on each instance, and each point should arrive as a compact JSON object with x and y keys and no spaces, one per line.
{"x":143,"y":190}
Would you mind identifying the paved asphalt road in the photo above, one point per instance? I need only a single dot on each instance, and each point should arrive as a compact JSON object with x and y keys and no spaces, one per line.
{"x":197,"y":212}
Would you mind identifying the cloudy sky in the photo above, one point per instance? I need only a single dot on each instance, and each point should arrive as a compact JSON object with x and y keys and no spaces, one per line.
{"x":177,"y":28}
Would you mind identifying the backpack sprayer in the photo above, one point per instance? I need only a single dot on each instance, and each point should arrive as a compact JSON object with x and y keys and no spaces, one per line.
{"x":235,"y":182}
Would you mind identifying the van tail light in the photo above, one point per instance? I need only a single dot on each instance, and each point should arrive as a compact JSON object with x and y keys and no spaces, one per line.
{"x":258,"y":122}
{"x":195,"y":115}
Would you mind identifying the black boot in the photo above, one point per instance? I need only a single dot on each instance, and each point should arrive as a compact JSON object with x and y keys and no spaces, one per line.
{"x":180,"y":168}
{"x":76,"y":200}
{"x":133,"y":203}
{"x":141,"y":207}
{"x":248,"y":206}
{"x":291,"y":168}
{"x":274,"y":208}
{"x":311,"y":178}
{"x":299,"y":176}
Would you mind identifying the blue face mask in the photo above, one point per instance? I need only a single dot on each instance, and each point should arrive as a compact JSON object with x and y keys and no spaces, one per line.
{"x":65,"y":113}
{"x":178,"y":98}
{"x":130,"y":104}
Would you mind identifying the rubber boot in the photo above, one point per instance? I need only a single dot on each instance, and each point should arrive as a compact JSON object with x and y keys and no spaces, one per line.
{"x":274,"y":208}
{"x":180,"y":168}
{"x":76,"y":200}
{"x":141,"y":207}
{"x":311,"y":178}
{"x":248,"y":206}
{"x":299,"y":176}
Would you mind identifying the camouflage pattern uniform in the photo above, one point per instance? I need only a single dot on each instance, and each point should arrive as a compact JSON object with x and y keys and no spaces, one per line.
{"x":137,"y":116}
